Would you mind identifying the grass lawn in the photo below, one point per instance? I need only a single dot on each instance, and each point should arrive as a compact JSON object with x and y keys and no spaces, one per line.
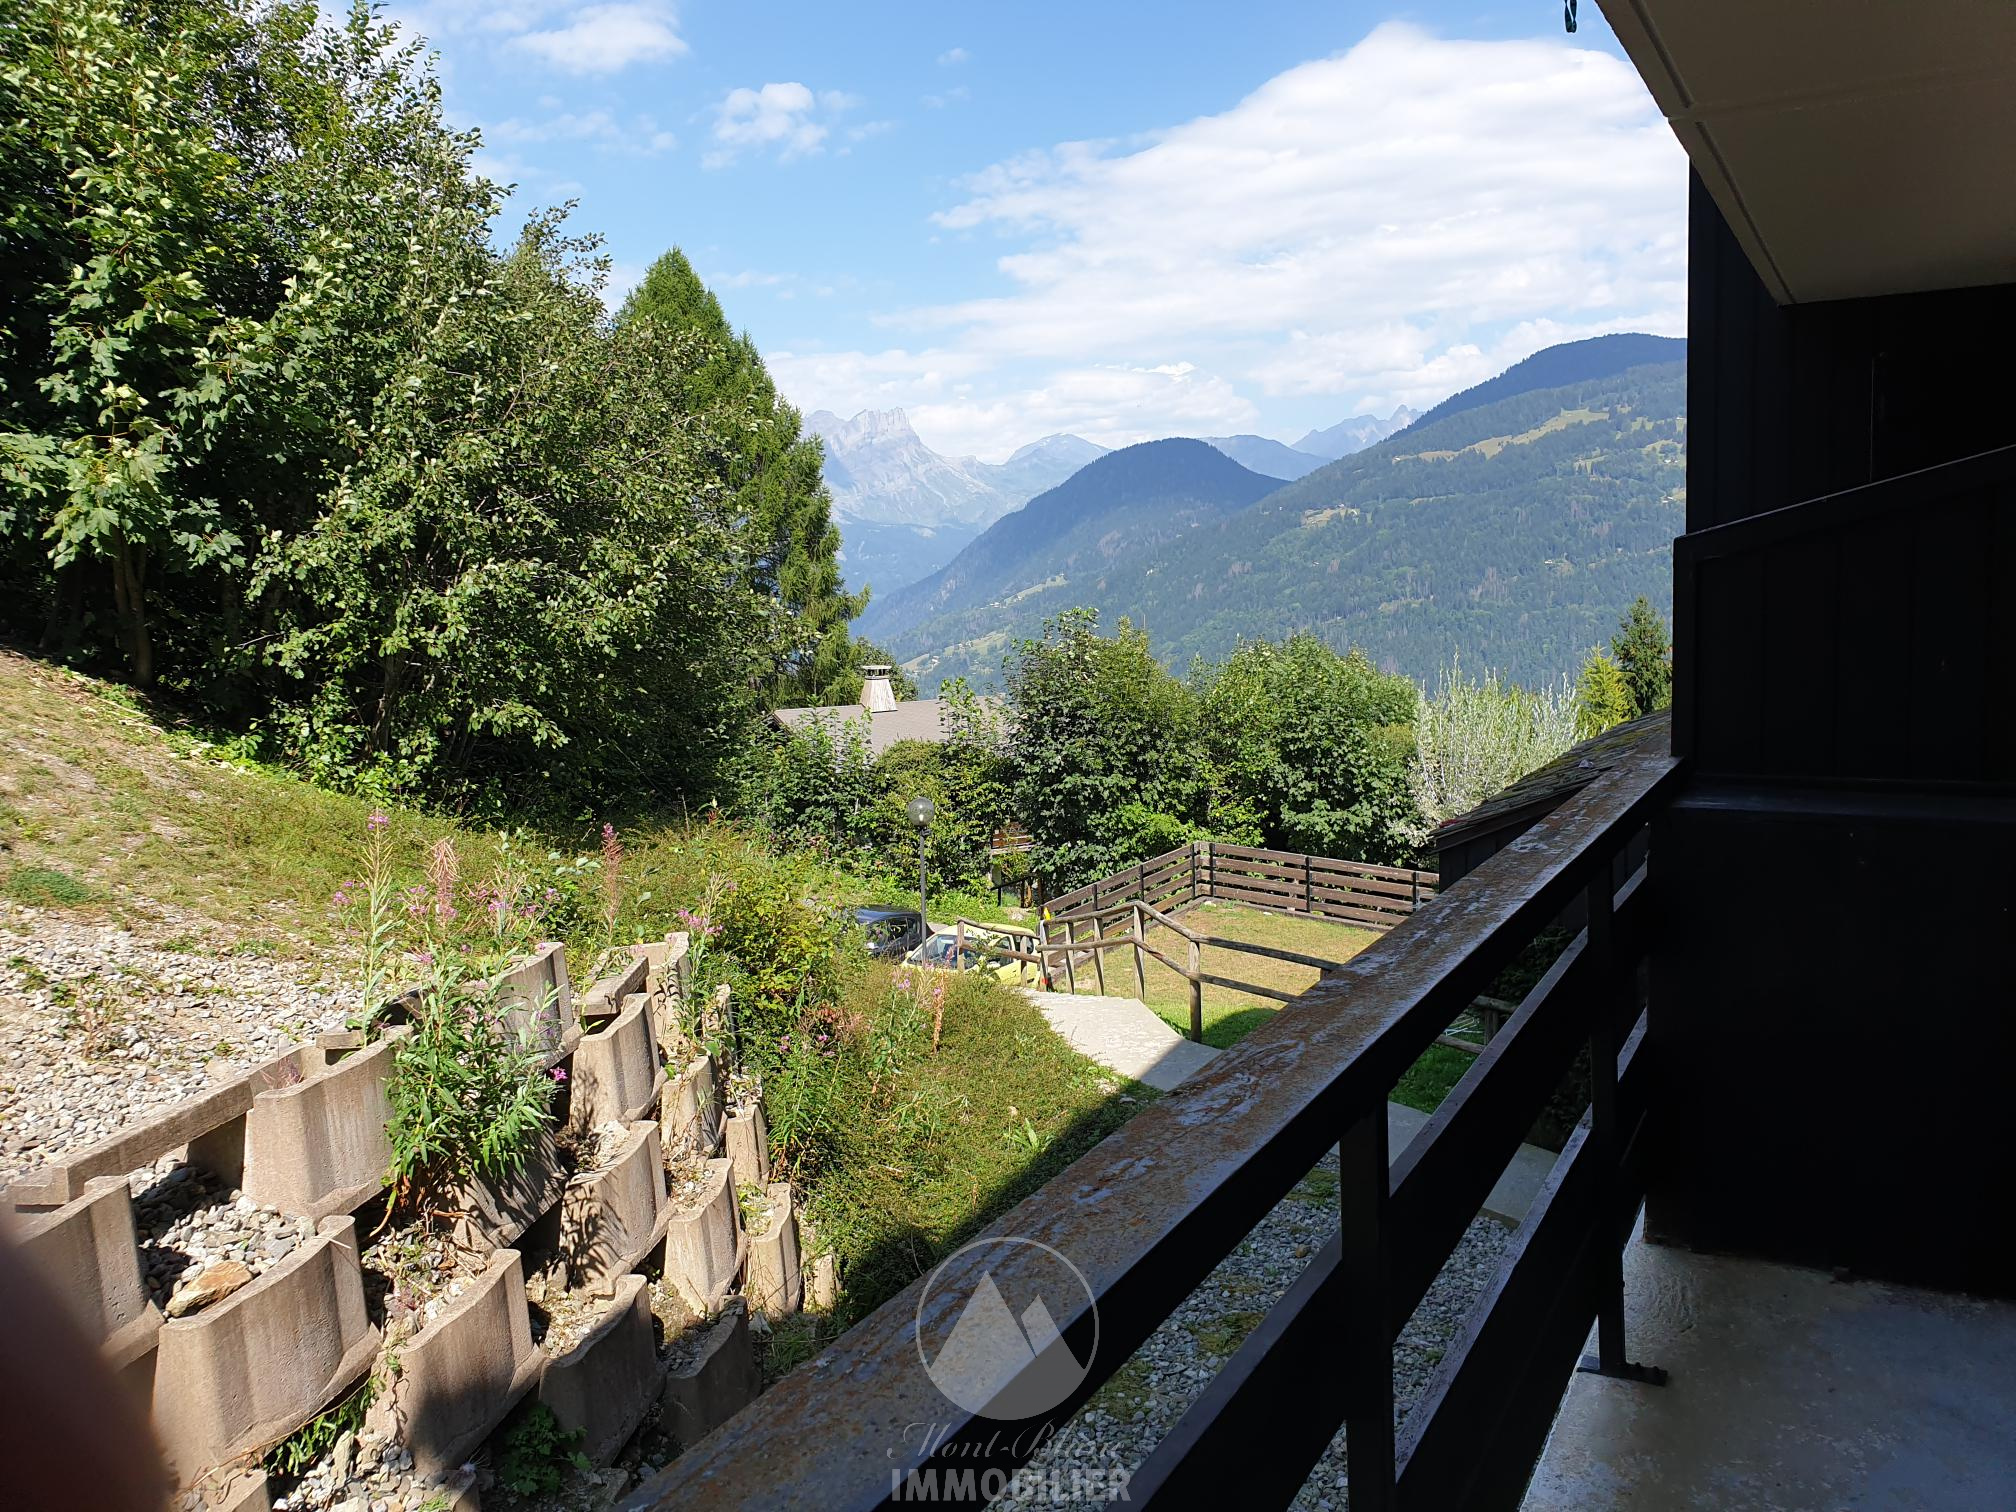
{"x":1229,"y":1016}
{"x":151,"y":825}
{"x":949,"y":1140}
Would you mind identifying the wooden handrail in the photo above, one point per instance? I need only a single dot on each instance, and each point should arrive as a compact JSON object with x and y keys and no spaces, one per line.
{"x":1148,"y":1213}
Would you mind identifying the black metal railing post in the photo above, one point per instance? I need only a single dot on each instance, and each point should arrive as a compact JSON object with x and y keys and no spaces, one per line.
{"x":1605,"y":1038}
{"x":1364,"y":1278}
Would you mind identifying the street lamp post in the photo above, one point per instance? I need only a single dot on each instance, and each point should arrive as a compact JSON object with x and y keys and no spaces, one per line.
{"x":920,"y":811}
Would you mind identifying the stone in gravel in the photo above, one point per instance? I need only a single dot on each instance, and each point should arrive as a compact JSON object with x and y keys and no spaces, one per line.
{"x":342,"y":1455}
{"x":213,"y":1285}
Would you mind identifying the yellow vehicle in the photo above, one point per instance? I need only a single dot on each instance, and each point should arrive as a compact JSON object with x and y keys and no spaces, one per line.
{"x":983,"y":951}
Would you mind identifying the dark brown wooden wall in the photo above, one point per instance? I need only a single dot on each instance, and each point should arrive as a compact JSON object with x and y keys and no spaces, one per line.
{"x":1785,"y":404}
{"x":1845,"y":693}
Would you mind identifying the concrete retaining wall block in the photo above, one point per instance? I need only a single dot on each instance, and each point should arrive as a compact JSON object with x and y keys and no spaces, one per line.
{"x":605,"y":995}
{"x":88,"y":1251}
{"x":234,"y":1490}
{"x":715,"y":1379}
{"x":319,"y":1147}
{"x":206,"y":1118}
{"x":611,"y":1220}
{"x":616,"y":1072}
{"x":604,"y":1385}
{"x":502,"y":1209}
{"x":463,"y":1372}
{"x":703,"y":1242}
{"x":748,"y":1144}
{"x":256,"y":1366}
{"x":666,"y":962}
{"x":692,"y":1110}
{"x":775,"y":1286}
{"x":536,"y":997}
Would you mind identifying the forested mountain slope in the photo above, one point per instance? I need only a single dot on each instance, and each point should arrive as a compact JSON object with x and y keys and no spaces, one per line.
{"x":1512,"y":533}
{"x":1060,"y":549}
{"x":1552,"y":367}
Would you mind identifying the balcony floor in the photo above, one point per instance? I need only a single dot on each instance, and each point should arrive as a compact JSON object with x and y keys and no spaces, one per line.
{"x":1789,"y":1391}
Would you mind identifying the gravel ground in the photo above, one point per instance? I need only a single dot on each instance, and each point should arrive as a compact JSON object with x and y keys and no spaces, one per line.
{"x":186,"y":1219}
{"x":363,"y":1472}
{"x":1132,"y":1412}
{"x":99,"y":1029}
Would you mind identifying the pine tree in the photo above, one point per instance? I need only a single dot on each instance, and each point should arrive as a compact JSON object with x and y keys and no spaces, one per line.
{"x":1602,"y":696}
{"x":1644,"y":653}
{"x":774,"y":469}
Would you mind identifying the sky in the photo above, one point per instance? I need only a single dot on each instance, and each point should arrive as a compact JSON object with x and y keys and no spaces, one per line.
{"x":1119,"y":220}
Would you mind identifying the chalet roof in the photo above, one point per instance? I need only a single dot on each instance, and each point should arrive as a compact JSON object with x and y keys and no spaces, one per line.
{"x":911,"y":719}
{"x":1539,"y":791}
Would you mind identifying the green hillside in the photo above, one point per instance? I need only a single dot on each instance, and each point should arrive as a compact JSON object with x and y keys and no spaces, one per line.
{"x":1510,"y":533}
{"x":1062,"y":548}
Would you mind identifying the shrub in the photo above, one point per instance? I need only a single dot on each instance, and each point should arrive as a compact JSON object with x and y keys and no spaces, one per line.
{"x":786,"y":951}
{"x":536,"y":1453}
{"x":1476,"y":739}
{"x":467,"y":1091}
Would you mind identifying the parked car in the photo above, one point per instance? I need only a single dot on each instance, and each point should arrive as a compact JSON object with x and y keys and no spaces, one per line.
{"x":892,"y":932}
{"x":982,"y":953}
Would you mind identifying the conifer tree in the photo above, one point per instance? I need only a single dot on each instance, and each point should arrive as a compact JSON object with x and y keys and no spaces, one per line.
{"x":1644,"y":653}
{"x":773,"y":468}
{"x":1602,"y":696}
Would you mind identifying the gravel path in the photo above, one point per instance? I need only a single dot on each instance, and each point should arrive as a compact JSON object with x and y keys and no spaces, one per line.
{"x":99,"y":1029}
{"x":1133,"y":1411}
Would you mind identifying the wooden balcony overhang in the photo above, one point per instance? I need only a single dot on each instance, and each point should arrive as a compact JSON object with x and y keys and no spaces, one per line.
{"x":1853,"y":149}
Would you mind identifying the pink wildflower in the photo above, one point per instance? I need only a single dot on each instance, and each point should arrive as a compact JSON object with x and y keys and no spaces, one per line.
{"x":376,"y":822}
{"x":559,"y":1075}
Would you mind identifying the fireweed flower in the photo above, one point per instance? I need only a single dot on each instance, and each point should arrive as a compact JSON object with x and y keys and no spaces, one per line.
{"x":559,"y":1075}
{"x":376,"y":822}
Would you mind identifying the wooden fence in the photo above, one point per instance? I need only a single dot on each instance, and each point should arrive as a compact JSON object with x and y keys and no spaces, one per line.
{"x":1054,"y":949}
{"x":1351,"y":892}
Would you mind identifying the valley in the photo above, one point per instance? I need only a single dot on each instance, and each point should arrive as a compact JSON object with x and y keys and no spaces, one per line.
{"x":1506,"y":527}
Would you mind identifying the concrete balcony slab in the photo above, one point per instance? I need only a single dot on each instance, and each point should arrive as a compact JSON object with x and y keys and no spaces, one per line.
{"x":1789,"y":1391}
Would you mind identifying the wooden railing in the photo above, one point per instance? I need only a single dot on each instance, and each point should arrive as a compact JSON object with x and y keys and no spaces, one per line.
{"x":1146,"y":1215}
{"x":1054,"y":952}
{"x":1353,"y":892}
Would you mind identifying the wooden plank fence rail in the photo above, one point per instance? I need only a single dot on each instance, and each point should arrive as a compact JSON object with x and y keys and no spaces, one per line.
{"x":1078,"y":927}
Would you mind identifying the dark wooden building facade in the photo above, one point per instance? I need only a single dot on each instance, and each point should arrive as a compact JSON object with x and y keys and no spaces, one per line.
{"x":1845,"y":700}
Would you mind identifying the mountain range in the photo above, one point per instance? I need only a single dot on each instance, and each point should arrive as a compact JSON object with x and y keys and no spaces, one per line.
{"x":1129,"y":501}
{"x":877,"y":469}
{"x":1510,"y":525}
{"x":1355,"y":434}
{"x":904,"y":510}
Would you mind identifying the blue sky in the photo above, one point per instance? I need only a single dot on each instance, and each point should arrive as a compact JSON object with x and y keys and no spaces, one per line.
{"x":1119,"y":220}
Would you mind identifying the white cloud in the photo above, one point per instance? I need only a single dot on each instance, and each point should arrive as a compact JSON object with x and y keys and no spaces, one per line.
{"x":952,"y":56}
{"x":951,"y":96}
{"x":623,"y":277}
{"x":748,"y":278}
{"x":1387,"y":225}
{"x":600,"y":39}
{"x":788,"y":117}
{"x":641,"y":134}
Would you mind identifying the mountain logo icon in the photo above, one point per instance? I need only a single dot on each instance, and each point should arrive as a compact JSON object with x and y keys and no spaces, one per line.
{"x":998,"y":1355}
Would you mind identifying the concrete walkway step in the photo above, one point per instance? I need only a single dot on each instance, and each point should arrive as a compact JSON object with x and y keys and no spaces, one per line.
{"x":1127,"y":1036}
{"x":1124,"y":1035}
